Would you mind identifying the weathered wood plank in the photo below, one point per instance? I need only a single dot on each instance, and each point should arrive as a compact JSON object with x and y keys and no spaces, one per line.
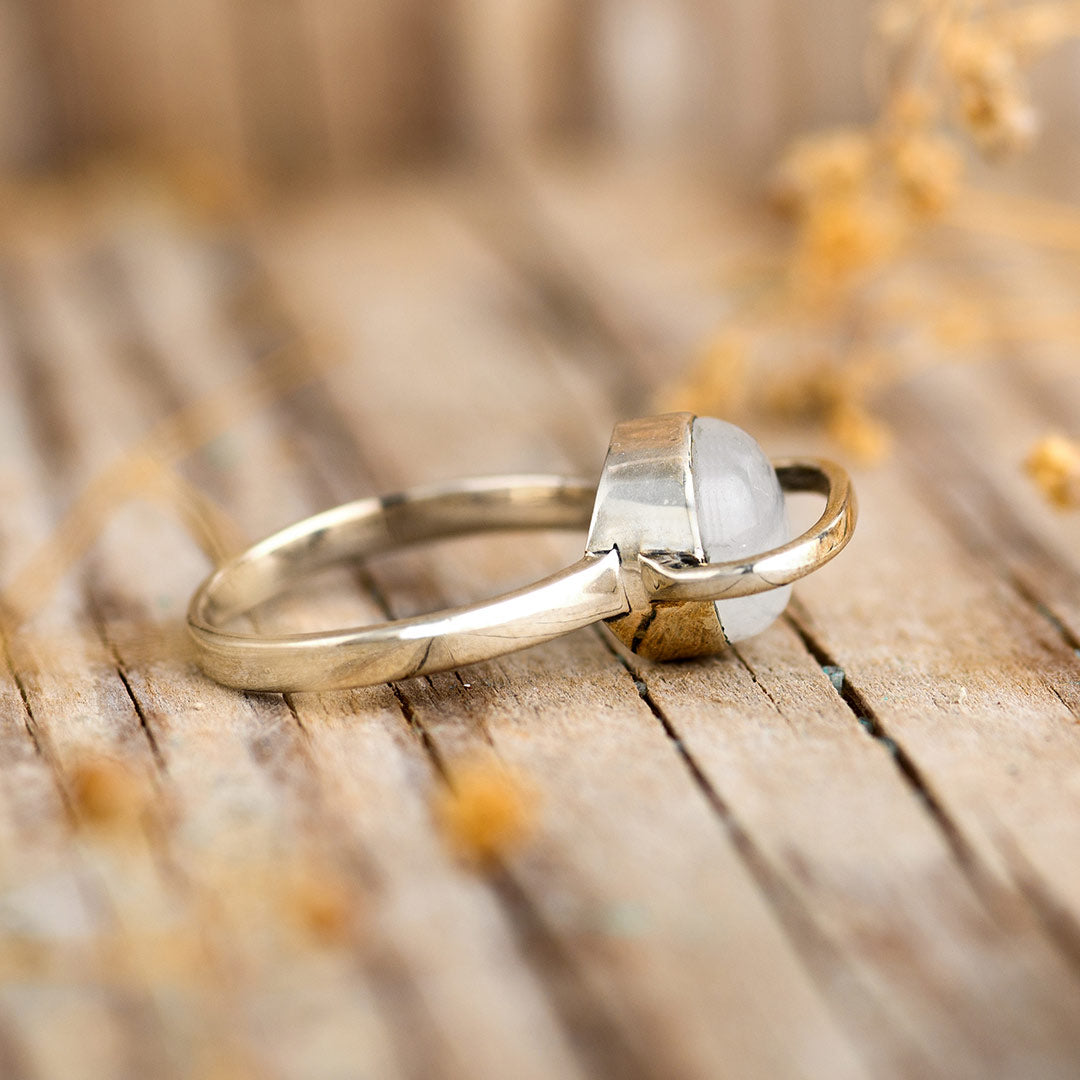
{"x":726,"y":864}
{"x":63,"y":904}
{"x":947,"y":625}
{"x":672,"y":988}
{"x":484,"y":1009}
{"x":241,"y":801}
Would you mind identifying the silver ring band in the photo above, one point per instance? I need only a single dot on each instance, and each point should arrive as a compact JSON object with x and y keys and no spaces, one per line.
{"x":364,"y":656}
{"x":603,"y":585}
{"x":772,"y":569}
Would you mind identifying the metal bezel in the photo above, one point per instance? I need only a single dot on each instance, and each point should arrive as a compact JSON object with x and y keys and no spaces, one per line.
{"x":645,"y":506}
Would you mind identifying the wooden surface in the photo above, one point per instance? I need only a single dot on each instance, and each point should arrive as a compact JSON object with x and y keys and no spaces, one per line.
{"x":326,"y":87}
{"x":730,"y":870}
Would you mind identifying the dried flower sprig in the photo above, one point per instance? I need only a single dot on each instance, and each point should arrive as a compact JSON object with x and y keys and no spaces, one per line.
{"x":1054,"y":466}
{"x":486,"y":813}
{"x":833,"y":328}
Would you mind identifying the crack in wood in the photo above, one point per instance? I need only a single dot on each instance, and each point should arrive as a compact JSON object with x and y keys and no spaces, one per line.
{"x":388,"y":973}
{"x":123,"y":675}
{"x":140,"y":711}
{"x":854,"y":1004}
{"x":290,"y":704}
{"x":978,"y":876}
{"x":1061,"y":697}
{"x":419,"y":729}
{"x":596,"y":1036}
{"x":590,"y":1029}
{"x":37,"y":736}
{"x":29,"y":723}
{"x":1042,"y":609}
{"x":754,"y":677}
{"x":1058,"y":923}
{"x":994,"y":534}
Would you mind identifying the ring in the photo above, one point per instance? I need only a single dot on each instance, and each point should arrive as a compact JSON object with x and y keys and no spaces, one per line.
{"x":688,"y":549}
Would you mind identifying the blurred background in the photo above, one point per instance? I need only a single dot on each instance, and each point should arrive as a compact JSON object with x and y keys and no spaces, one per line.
{"x":893,"y":136}
{"x":314,"y":89}
{"x":913,"y":305}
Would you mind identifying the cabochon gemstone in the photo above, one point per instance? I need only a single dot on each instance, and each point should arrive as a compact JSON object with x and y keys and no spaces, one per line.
{"x":741,"y":512}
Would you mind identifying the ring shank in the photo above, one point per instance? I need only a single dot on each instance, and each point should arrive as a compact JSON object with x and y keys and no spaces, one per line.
{"x":591,"y":590}
{"x":360,"y":656}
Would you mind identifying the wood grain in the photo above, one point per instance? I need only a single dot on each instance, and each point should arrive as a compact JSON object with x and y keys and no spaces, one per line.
{"x":301,"y":88}
{"x":731,"y":868}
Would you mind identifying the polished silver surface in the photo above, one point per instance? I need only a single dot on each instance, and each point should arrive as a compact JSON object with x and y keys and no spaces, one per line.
{"x":642,"y":571}
{"x":645,"y":504}
{"x":585,"y":593}
{"x":645,"y":498}
{"x":664,"y":579}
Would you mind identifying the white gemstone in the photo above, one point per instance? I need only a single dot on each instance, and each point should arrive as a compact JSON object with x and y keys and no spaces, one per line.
{"x":741,"y":512}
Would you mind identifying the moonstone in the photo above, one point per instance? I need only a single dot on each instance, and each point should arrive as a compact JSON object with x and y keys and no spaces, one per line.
{"x":741,"y":512}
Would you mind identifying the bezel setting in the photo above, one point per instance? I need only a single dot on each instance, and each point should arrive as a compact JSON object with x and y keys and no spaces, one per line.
{"x":669,"y":585}
{"x":646,"y":508}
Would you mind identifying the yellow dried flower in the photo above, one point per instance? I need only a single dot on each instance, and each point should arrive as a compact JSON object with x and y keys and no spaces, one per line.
{"x":929,"y":169}
{"x":1001,"y":121}
{"x":912,"y":109}
{"x":807,"y":391}
{"x":1054,"y":466}
{"x":833,"y":392}
{"x":487,"y":811}
{"x":820,"y":345}
{"x":844,"y":237}
{"x":860,"y":434}
{"x":830,"y":165}
{"x":319,"y":902}
{"x":106,"y":793}
{"x":717,"y":384}
{"x":992,"y":95}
